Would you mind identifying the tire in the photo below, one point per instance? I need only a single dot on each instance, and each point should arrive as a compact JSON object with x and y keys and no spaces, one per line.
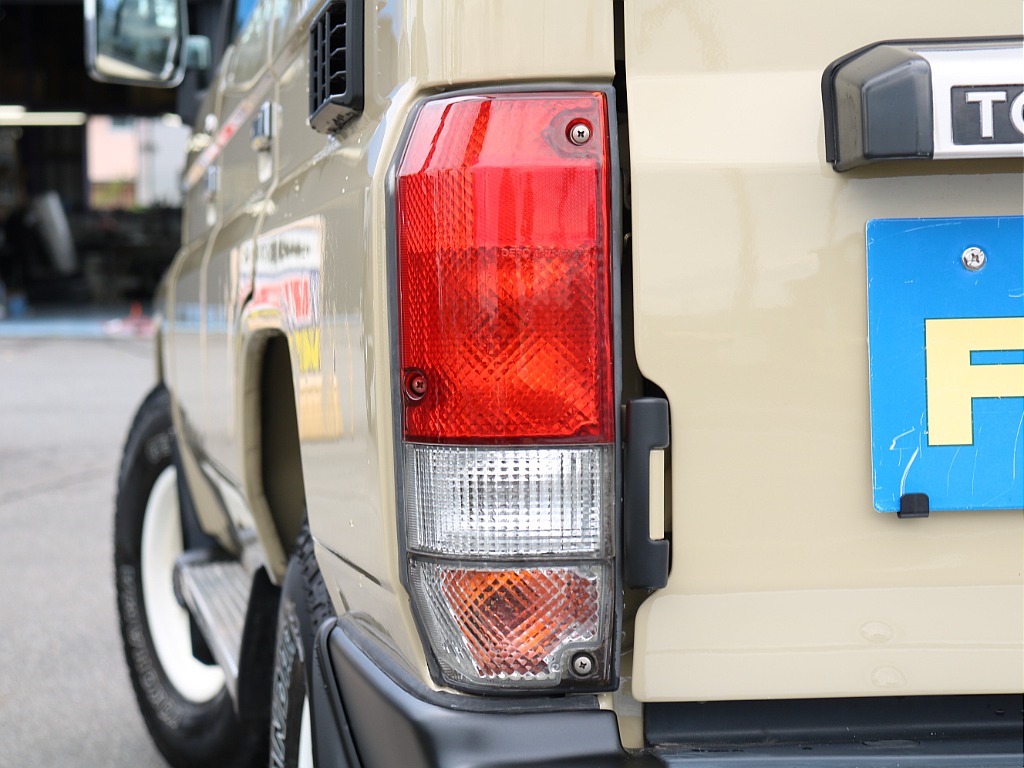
{"x":184,"y":702}
{"x":305,"y":605}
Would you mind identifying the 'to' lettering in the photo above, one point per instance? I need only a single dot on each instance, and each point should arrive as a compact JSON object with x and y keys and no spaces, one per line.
{"x":1017,"y":112}
{"x":985,"y":100}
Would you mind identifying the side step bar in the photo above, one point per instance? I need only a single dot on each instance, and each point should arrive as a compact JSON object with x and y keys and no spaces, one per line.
{"x":216,"y":592}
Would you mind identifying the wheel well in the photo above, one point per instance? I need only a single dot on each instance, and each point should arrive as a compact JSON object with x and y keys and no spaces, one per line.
{"x":280,"y":455}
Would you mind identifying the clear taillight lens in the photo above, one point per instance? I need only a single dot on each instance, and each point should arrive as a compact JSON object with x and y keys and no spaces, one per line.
{"x":507,"y":386}
{"x":514,"y":502}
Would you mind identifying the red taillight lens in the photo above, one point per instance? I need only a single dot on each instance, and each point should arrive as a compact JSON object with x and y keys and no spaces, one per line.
{"x":504,"y":285}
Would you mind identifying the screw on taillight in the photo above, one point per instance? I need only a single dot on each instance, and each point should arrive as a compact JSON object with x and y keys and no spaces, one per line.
{"x":579,"y":132}
{"x":415,"y":385}
{"x":504,"y":295}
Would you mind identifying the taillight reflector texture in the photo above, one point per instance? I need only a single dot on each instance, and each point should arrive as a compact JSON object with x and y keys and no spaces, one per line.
{"x":504,"y":293}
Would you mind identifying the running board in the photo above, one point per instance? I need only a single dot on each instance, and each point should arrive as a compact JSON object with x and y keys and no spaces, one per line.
{"x":216,"y":593}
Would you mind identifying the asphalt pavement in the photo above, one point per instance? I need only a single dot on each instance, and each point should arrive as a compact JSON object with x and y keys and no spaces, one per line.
{"x":68,"y":388}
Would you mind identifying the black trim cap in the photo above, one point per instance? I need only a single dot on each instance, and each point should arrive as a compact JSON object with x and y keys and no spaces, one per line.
{"x":646,"y":560}
{"x":913,"y":505}
{"x":878,"y":106}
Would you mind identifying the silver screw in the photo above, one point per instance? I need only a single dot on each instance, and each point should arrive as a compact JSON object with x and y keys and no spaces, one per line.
{"x":973,"y":258}
{"x":582,"y":664}
{"x":579,"y":133}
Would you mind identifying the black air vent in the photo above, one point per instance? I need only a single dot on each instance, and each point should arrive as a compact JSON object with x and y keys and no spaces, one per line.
{"x":336,"y":66}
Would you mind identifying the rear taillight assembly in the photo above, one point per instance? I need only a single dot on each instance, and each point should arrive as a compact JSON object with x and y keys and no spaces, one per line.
{"x":506,"y":387}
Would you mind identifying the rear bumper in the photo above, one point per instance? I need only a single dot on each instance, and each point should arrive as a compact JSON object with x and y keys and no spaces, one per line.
{"x":369,"y":711}
{"x":377,"y":715}
{"x":977,"y":754}
{"x":875,"y":732}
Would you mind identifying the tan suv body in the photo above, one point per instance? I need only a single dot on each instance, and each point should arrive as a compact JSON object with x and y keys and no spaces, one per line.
{"x":792,"y":192}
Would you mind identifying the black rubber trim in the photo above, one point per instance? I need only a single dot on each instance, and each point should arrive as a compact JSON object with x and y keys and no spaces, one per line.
{"x":645,"y":561}
{"x":396,"y":720}
{"x":332,"y":739}
{"x":895,"y":753}
{"x":947,"y":720}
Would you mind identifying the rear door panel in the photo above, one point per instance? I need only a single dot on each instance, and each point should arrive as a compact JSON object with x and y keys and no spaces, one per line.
{"x":751,"y":313}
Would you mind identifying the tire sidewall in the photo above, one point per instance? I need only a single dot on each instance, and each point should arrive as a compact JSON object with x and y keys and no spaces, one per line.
{"x":186,"y":733}
{"x":305,"y":605}
{"x":290,"y":688}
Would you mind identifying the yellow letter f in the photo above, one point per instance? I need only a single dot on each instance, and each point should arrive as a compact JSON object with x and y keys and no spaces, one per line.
{"x":953,"y":382}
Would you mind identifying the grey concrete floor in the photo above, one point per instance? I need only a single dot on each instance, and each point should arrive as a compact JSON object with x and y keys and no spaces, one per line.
{"x":65,"y":698}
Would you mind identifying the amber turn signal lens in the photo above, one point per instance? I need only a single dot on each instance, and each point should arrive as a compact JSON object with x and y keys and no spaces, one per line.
{"x":514,"y":624}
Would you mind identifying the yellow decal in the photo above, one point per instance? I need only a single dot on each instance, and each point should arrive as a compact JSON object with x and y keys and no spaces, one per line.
{"x":307,"y":344}
{"x":953,"y":381}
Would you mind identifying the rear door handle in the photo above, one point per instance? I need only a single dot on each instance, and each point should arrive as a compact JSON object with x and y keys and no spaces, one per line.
{"x":212,"y":184}
{"x":262,"y":136}
{"x":645,"y":560}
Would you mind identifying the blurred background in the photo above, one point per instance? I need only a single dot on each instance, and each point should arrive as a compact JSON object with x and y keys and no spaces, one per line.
{"x":89,"y":173}
{"x":89,"y":219}
{"x":65,"y":697}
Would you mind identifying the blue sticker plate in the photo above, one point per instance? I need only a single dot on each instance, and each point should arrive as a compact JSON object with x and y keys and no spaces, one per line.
{"x":946,"y":355}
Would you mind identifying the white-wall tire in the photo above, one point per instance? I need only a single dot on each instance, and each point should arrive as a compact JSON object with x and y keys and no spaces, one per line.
{"x":168,"y":621}
{"x":184,"y":703}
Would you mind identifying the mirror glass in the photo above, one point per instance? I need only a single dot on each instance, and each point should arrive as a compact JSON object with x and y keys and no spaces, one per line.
{"x":138,"y":41}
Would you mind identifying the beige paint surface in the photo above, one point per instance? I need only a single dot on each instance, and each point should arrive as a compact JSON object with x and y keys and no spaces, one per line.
{"x":751,"y":314}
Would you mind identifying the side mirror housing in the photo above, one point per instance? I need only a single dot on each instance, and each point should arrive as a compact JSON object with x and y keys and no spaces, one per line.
{"x":136,"y":42}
